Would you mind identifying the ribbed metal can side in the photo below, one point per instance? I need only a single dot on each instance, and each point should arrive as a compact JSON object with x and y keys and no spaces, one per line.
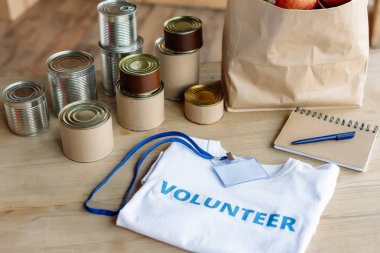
{"x":26,"y":115}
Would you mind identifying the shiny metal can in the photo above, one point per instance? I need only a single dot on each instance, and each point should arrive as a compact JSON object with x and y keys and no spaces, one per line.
{"x":110,"y":63}
{"x":139,"y":73}
{"x":26,"y":108}
{"x":71,"y":77}
{"x":117,"y":23}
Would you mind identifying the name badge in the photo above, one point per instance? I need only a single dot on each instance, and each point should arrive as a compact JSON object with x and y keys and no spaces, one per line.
{"x":240,"y":171}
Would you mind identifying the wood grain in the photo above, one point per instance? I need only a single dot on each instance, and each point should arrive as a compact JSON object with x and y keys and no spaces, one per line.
{"x":12,"y":9}
{"x":51,"y":26}
{"x":42,"y":192}
{"x":213,"y":4}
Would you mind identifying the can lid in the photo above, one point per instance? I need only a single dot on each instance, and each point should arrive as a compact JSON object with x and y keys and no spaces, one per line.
{"x":86,"y":114}
{"x":116,"y":7}
{"x":183,"y":25}
{"x":139,"y":64}
{"x":70,"y":61}
{"x":24,"y":93}
{"x":204,"y":95}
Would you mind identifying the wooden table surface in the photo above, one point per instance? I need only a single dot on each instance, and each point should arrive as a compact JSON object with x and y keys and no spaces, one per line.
{"x":42,"y":192}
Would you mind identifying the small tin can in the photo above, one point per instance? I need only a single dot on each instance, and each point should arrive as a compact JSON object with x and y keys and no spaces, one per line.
{"x":71,"y":77}
{"x":204,"y":104}
{"x":183,"y":34}
{"x":179,"y":71}
{"x":139,"y":74}
{"x":117,"y":23}
{"x":140,"y":112}
{"x":26,"y":108}
{"x":86,"y":131}
{"x":110,"y":63}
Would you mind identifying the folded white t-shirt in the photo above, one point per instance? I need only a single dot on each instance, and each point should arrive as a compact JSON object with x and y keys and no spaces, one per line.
{"x":183,"y":203}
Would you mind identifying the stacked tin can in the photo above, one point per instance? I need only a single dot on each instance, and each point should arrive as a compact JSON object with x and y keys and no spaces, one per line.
{"x":71,"y":77}
{"x":178,"y":51}
{"x":118,"y":38}
{"x":140,"y":93}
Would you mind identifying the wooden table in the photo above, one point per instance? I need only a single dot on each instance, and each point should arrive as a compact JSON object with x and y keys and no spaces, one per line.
{"x":42,"y":192}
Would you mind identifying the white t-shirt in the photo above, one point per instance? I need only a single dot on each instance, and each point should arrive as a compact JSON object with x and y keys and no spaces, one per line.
{"x":183,"y":203}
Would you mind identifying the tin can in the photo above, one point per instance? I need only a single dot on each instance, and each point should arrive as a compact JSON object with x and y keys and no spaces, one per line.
{"x":140,"y":113}
{"x":71,"y":77}
{"x":204,"y":104}
{"x":117,"y":23}
{"x":183,"y":34}
{"x":110,"y":63}
{"x":86,"y":131}
{"x":179,"y":71}
{"x":139,"y":74}
{"x":26,"y":108}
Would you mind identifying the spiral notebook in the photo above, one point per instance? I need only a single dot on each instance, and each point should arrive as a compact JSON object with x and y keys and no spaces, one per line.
{"x":352,"y":153}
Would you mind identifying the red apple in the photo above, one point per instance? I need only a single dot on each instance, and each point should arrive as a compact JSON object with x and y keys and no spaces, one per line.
{"x":333,"y":3}
{"x":297,"y":4}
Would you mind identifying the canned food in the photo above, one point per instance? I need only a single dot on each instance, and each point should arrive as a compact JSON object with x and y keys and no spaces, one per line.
{"x":71,"y":77}
{"x":139,"y":73}
{"x":110,"y":63}
{"x":183,"y":34}
{"x":26,"y":108}
{"x":86,"y":131}
{"x":140,"y":113}
{"x":179,"y":71}
{"x":204,"y":104}
{"x":117,"y":23}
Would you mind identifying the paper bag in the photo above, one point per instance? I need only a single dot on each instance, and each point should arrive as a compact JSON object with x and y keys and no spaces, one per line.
{"x":276,"y":58}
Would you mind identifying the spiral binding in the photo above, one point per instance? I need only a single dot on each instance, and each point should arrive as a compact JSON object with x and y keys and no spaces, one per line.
{"x":356,"y":125}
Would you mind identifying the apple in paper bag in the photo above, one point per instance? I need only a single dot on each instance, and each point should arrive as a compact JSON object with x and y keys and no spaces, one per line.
{"x":333,"y":3}
{"x":297,"y":4}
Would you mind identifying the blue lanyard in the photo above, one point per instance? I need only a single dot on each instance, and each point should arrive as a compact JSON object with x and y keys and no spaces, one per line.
{"x":174,"y":137}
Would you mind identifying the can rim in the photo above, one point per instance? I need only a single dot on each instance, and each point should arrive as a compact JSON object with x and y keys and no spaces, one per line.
{"x":103,"y":3}
{"x":141,"y":96}
{"x":64,"y":52}
{"x":154,"y":68}
{"x":197,"y":20}
{"x":214,"y":89}
{"x":39,"y":92}
{"x":101,"y":114}
{"x":131,"y":48}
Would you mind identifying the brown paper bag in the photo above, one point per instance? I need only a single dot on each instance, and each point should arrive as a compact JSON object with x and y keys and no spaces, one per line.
{"x":275,"y":58}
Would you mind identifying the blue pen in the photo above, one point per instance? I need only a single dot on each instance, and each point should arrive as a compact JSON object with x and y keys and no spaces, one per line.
{"x":337,"y":137}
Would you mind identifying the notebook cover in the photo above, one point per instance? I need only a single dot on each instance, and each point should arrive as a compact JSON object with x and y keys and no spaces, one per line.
{"x":352,"y":153}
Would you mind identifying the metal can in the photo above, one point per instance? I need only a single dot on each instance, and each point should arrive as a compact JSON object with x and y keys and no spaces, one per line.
{"x":26,"y":108}
{"x":204,"y":104}
{"x":179,"y":71}
{"x":71,"y":77}
{"x":110,"y":63}
{"x":139,"y":73}
{"x":183,"y":34}
{"x":86,"y":131}
{"x":140,"y":113}
{"x":117,"y":23}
